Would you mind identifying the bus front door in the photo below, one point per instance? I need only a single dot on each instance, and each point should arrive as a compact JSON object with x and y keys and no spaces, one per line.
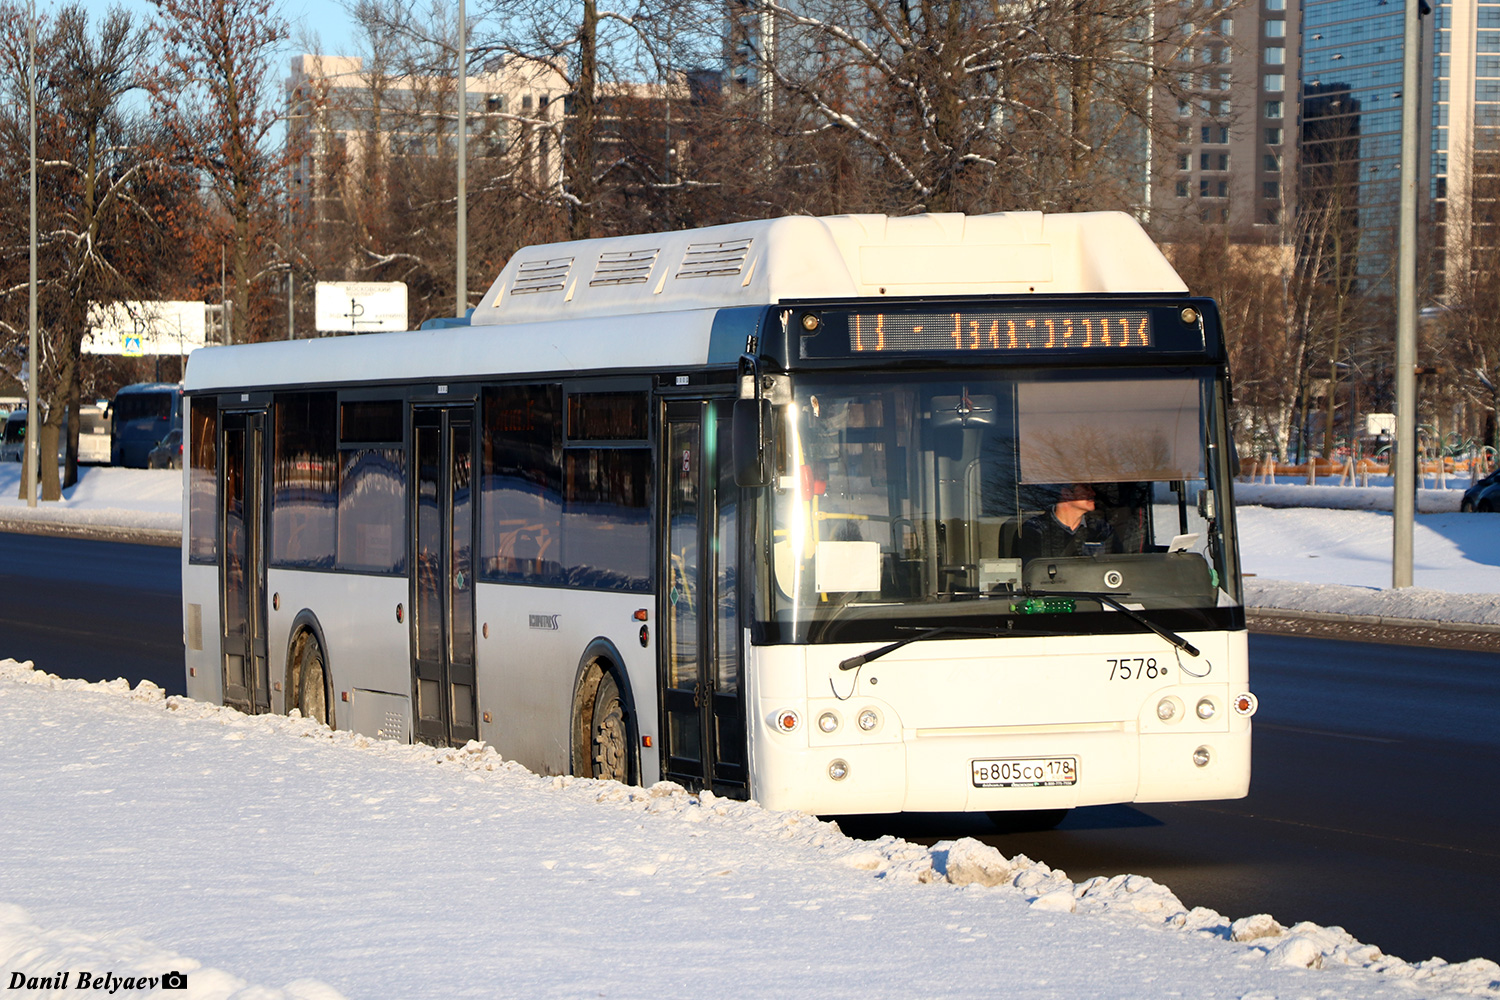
{"x":442,"y":582}
{"x":704,"y":727}
{"x":242,"y":573}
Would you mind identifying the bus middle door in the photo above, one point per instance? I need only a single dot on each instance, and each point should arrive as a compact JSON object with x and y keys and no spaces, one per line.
{"x":442,"y":581}
{"x":704,"y":727}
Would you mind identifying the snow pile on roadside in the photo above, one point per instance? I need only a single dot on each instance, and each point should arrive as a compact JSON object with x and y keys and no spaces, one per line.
{"x":103,"y":496}
{"x":1333,"y":497}
{"x":729,"y":887}
{"x":1409,"y":604}
{"x":59,"y":962}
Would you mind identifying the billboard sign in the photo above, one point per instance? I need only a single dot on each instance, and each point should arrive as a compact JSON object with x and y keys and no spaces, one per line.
{"x":137,"y":329}
{"x":360,"y":306}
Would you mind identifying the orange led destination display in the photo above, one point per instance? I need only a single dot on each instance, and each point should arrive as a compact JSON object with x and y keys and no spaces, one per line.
{"x":1057,"y":330}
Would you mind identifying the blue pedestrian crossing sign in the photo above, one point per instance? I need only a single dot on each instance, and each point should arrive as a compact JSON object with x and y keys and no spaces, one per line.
{"x":131,"y":346}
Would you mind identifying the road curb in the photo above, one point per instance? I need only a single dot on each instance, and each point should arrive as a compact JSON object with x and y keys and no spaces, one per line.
{"x":165,"y":537}
{"x":1389,"y":621}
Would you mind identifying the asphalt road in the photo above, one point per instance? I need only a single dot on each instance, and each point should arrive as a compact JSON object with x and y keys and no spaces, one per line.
{"x":91,"y":609}
{"x":1375,"y":802}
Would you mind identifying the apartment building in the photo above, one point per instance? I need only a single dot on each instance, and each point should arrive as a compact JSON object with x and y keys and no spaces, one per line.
{"x":340,"y":112}
{"x":1228,"y":158}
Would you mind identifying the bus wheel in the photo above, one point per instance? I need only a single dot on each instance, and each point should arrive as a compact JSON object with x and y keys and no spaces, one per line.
{"x":312,"y":681}
{"x":1027,"y":820}
{"x":609,"y":737}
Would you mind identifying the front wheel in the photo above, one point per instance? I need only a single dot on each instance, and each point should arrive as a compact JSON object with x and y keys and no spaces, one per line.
{"x":609,"y":737}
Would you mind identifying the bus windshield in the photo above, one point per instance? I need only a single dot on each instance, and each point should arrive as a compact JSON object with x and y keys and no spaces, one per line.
{"x":916,"y":501}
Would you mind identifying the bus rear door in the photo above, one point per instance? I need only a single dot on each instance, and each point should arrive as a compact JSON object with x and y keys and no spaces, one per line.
{"x":242,"y":568}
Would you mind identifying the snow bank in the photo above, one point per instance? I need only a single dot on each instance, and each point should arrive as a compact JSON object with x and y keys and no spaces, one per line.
{"x":103,"y":496}
{"x":423,"y":871}
{"x":1333,"y":497}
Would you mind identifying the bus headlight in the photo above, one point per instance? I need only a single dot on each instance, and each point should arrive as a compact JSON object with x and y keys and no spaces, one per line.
{"x":1169,"y":709}
{"x":838,"y":769}
{"x":1206,"y":709}
{"x":869,"y":720}
{"x":1202,"y":757}
{"x":828,"y":722}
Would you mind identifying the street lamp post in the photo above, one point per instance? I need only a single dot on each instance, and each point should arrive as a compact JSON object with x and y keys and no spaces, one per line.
{"x":32,"y":464}
{"x":461,"y":285}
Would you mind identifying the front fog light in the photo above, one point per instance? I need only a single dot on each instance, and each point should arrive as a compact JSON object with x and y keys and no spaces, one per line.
{"x":1166,"y":709}
{"x":828,"y":722}
{"x":1202,"y":757}
{"x":838,"y":770}
{"x":1206,"y":709}
{"x":869,"y":719}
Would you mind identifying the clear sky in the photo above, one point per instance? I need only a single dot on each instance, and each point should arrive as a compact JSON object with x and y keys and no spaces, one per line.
{"x":329,"y":21}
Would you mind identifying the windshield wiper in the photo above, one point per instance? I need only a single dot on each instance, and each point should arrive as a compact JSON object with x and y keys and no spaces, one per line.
{"x":1130,"y":613}
{"x":932,"y":633}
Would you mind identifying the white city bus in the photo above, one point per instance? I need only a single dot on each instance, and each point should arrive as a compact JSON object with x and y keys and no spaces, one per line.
{"x":753,"y":508}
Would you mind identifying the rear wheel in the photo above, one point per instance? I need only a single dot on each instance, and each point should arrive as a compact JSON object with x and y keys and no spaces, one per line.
{"x":312,"y":681}
{"x":609,"y":738}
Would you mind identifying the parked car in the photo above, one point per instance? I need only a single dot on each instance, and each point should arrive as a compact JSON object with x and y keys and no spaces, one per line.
{"x":1482,"y":496}
{"x":168,"y":451}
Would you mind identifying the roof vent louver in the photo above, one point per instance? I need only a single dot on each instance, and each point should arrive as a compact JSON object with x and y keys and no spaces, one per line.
{"x":548,"y":275}
{"x":624,"y":267}
{"x":714,"y":260}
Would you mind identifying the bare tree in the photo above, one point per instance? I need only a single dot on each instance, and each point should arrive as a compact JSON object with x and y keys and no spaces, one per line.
{"x":107,"y":195}
{"x":211,"y":94}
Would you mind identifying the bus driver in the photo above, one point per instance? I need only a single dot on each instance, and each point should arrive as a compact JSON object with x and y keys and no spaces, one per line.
{"x":1069,"y":527}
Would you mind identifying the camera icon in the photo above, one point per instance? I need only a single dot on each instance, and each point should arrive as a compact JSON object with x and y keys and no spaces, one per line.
{"x":174,"y":981}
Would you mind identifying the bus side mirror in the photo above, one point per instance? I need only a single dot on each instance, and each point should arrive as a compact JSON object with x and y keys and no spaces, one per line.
{"x":748,"y":441}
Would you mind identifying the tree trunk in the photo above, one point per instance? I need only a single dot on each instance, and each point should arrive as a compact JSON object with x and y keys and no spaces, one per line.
{"x":581,"y":215}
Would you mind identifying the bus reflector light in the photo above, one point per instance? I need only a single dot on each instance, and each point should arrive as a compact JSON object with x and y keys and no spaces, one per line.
{"x":645,"y":636}
{"x":646,"y":741}
{"x":485,"y":630}
{"x":838,"y":769}
{"x":487,"y":717}
{"x":641,"y":615}
{"x":343,"y":696}
{"x":400,"y":613}
{"x":787,"y":720}
{"x":1246,"y":704}
{"x":1206,"y":709}
{"x":828,"y":722}
{"x":869,"y":720}
{"x":1202,"y":756}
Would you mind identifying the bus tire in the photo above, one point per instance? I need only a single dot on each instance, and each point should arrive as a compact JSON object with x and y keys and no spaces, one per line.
{"x":309,"y":682}
{"x":609,"y":744}
{"x":1028,"y":820}
{"x":601,"y":728}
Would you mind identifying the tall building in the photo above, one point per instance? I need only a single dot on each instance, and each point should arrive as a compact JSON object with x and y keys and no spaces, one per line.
{"x":1231,"y":163}
{"x":1464,"y":61}
{"x":1351,"y":126}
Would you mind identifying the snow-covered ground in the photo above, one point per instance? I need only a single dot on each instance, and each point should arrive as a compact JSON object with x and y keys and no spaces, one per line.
{"x":266,"y":857}
{"x":1322,"y":548}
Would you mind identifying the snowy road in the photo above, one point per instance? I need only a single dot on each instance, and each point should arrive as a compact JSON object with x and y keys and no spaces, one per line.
{"x":268,"y":851}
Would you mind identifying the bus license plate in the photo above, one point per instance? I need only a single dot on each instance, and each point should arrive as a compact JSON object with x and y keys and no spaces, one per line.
{"x":1025,"y":772}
